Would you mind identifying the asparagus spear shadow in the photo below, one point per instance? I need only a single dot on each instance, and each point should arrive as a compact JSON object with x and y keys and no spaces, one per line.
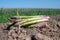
{"x":8,"y":28}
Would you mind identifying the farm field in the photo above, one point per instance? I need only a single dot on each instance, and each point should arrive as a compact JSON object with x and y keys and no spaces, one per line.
{"x":32,"y":24}
{"x":5,"y":13}
{"x":51,"y":31}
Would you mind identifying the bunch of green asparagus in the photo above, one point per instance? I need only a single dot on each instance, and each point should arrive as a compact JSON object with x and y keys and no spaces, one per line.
{"x":31,"y":20}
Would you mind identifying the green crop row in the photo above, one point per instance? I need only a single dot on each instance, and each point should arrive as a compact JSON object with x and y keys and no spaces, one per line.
{"x":5,"y":13}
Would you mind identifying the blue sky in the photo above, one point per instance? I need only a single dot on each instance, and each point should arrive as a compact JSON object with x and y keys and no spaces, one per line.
{"x":30,"y":3}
